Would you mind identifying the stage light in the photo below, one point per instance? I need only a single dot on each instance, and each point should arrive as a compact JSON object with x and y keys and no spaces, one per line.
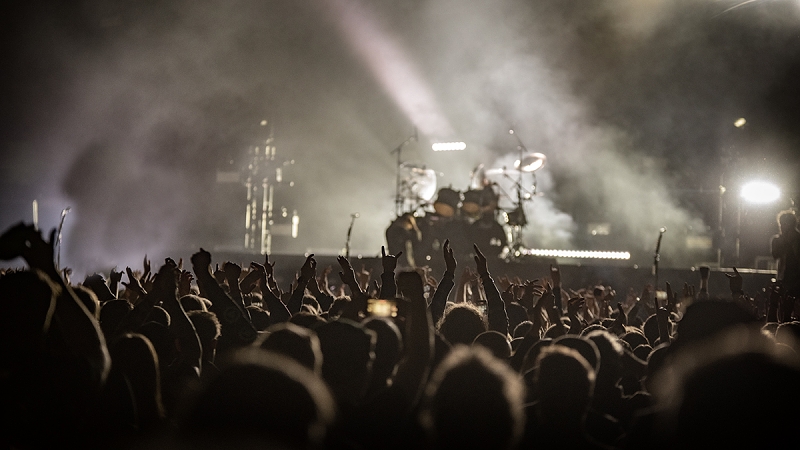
{"x":448,"y":146}
{"x":760,"y":192}
{"x":580,"y":254}
{"x":740,"y":122}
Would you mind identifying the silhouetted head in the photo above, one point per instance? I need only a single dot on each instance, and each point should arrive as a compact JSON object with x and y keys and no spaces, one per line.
{"x":133,"y":390}
{"x":258,"y":317}
{"x":163,"y":342}
{"x":192,"y":302}
{"x":719,"y":392}
{"x":530,"y":357}
{"x":293,"y":341}
{"x":111,"y":315}
{"x":586,"y":347}
{"x":473,"y":400}
{"x":642,"y":351}
{"x":521,"y":330}
{"x":635,"y":338}
{"x":610,"y":359}
{"x":516,"y":315}
{"x":789,"y":333}
{"x":787,"y":220}
{"x":388,"y":349}
{"x":208,"y":329}
{"x":650,"y":330}
{"x":260,"y":399}
{"x":496,"y":343}
{"x":89,"y":299}
{"x":160,"y":315}
{"x":348,"y":351}
{"x":707,"y":318}
{"x":564,"y":383}
{"x":462,"y":323}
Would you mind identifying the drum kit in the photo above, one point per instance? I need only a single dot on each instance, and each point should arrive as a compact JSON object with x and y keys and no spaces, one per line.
{"x":472,"y":215}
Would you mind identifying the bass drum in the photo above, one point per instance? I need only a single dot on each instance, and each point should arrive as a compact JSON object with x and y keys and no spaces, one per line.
{"x":489,"y":236}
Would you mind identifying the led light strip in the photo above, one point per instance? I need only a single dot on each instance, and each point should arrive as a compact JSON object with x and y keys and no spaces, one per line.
{"x":448,"y":146}
{"x":585,"y":254}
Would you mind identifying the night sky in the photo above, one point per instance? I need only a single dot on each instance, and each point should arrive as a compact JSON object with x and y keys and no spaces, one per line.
{"x":125,"y":111}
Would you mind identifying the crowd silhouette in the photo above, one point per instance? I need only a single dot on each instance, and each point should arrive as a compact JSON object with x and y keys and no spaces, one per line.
{"x":217,"y":355}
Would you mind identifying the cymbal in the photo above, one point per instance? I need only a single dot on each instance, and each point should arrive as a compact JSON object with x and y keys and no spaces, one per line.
{"x":417,"y":182}
{"x":531,"y":162}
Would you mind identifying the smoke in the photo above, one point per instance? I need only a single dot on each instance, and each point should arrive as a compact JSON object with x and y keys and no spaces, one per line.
{"x":126,"y":114}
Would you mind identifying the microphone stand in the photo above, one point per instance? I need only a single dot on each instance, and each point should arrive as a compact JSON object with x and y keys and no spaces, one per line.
{"x":353,"y":218}
{"x":398,"y":199}
{"x":656,"y":259}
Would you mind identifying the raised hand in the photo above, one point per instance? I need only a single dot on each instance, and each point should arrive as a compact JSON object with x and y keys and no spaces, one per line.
{"x":618,"y":327}
{"x":480,"y":261}
{"x":662,"y":316}
{"x":26,"y":241}
{"x":323,"y":281}
{"x":688,"y":292}
{"x":201,"y":259}
{"x":185,"y":284}
{"x":574,"y":306}
{"x":166,"y":281}
{"x":146,"y":272}
{"x":672,"y":299}
{"x":347,"y":274}
{"x":735,"y":282}
{"x":309,"y":269}
{"x":114,"y":277}
{"x":133,"y":284}
{"x":389,"y":262}
{"x":508,"y":294}
{"x":364,"y":277}
{"x":269,"y":267}
{"x":232,"y":271}
{"x":449,"y":257}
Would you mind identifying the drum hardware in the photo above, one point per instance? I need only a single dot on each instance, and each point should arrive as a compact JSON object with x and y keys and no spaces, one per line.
{"x":399,"y":199}
{"x":527,"y":163}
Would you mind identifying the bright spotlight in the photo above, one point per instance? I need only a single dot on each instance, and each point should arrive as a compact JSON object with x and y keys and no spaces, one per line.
{"x":448,"y":146}
{"x":760,"y":192}
{"x":740,"y":122}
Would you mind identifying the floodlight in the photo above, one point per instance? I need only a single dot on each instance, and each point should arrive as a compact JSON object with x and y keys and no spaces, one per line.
{"x":760,"y":192}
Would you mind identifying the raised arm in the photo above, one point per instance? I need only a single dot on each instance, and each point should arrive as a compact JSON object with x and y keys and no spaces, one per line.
{"x":389,"y":263}
{"x":166,"y":289}
{"x":414,"y":368}
{"x":237,"y":331}
{"x":574,"y":305}
{"x":439,"y":300}
{"x":307,"y":273}
{"x":496,"y":309}
{"x":348,"y":276}
{"x":278,"y":312}
{"x":535,"y":316}
{"x":555,"y":276}
{"x":324,"y":298}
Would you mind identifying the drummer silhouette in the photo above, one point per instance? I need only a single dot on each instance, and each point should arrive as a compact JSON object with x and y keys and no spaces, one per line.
{"x":443,"y":223}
